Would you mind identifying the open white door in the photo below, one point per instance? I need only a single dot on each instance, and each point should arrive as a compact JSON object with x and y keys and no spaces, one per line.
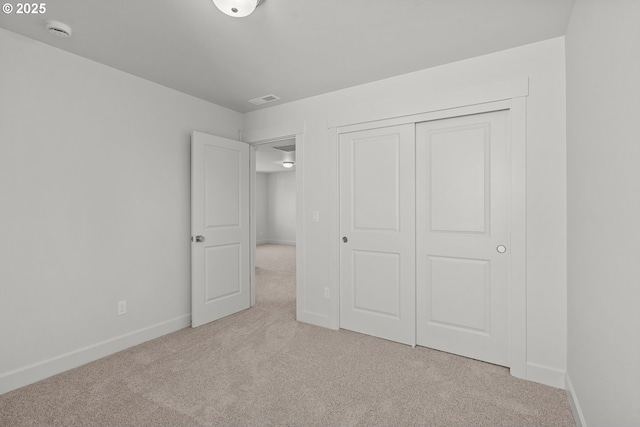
{"x":220,"y":228}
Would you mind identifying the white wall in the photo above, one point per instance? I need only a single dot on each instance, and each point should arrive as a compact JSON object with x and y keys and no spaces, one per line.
{"x":603,"y":150}
{"x":95,"y":195}
{"x":544,"y":64}
{"x":261,"y":207}
{"x":282,"y":208}
{"x":276,"y":208}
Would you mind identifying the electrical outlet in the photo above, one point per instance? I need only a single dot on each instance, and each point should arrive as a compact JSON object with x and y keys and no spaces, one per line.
{"x":122,"y":307}
{"x":326,"y":293}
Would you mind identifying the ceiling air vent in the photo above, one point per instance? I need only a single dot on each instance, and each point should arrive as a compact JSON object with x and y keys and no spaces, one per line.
{"x":264,"y":99}
{"x":58,"y":29}
{"x":287,"y":148}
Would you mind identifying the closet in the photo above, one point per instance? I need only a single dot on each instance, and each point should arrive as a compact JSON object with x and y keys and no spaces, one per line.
{"x":424,"y":226}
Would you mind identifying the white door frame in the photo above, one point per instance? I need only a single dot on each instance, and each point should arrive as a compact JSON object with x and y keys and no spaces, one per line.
{"x":265,"y":137}
{"x":516,"y":106}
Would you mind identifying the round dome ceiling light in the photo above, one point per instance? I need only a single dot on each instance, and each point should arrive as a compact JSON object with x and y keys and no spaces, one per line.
{"x":59,"y":29}
{"x":237,"y":8}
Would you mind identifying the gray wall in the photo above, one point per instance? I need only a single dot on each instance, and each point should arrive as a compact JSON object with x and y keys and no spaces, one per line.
{"x":262,"y":203}
{"x":95,"y":207}
{"x":276,"y":208}
{"x":603,"y":158}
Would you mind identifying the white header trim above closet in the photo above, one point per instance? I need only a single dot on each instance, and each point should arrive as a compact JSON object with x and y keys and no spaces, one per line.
{"x":440,"y":102}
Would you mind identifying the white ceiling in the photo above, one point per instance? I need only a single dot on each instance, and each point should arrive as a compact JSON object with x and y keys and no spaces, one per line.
{"x":291,"y":48}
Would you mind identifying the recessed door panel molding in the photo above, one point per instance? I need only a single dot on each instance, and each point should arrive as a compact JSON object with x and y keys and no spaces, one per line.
{"x":459,"y":178}
{"x":223,"y":275}
{"x":377,"y":232}
{"x":459,"y":294}
{"x":375,"y":176}
{"x":220,"y":227}
{"x":462,"y":200}
{"x":376,"y":283}
{"x":222,"y":182}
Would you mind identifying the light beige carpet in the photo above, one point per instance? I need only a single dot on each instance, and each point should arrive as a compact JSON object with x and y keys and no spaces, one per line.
{"x":261,"y":367}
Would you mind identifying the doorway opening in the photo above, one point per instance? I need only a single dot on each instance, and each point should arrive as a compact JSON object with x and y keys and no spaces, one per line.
{"x":275,"y":222}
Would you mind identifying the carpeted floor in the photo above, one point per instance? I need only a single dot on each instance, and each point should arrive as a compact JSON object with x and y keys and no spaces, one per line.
{"x":260,"y":367}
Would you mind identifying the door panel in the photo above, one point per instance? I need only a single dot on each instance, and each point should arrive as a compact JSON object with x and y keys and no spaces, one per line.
{"x":223,"y":277}
{"x":459,"y":198}
{"x":220,"y":214}
{"x":461,"y":217}
{"x":376,"y":283}
{"x":459,"y":293}
{"x":377,"y":263}
{"x":222,"y":175}
{"x":375,"y":180}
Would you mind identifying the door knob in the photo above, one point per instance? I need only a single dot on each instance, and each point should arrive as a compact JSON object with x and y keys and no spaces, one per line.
{"x":501,"y":249}
{"x":199,"y":239}
{"x":344,"y":239}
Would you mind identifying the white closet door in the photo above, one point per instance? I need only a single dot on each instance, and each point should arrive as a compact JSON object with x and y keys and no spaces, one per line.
{"x":462,"y":185}
{"x":377,"y":225}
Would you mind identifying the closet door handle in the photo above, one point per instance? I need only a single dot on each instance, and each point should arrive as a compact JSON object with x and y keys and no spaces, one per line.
{"x":344,"y":239}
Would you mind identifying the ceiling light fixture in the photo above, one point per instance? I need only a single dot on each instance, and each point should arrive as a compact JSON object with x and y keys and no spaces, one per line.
{"x":287,"y":165}
{"x":237,"y":8}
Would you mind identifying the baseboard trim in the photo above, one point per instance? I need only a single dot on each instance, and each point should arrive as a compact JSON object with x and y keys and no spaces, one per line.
{"x":38,"y":371}
{"x":280,"y":242}
{"x":315,"y":319}
{"x":576,"y":410}
{"x":546,"y":375}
